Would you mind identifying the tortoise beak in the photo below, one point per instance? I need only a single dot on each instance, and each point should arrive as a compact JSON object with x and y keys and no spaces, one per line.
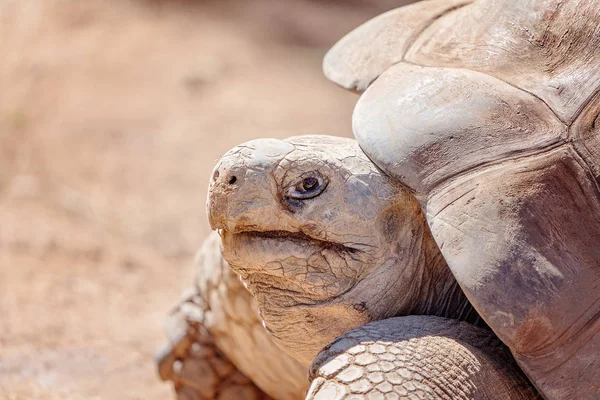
{"x":225,"y":183}
{"x":243,"y":191}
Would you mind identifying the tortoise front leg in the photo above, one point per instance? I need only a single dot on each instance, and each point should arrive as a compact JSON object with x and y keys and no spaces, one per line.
{"x":197,"y":367}
{"x":418,"y":357}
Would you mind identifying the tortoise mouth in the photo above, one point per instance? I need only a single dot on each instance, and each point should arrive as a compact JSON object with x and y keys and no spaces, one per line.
{"x":297,"y":237}
{"x":290,"y":265}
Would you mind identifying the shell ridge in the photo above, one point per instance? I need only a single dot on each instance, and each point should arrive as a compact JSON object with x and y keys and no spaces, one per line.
{"x":450,"y":179}
{"x":584,"y":106}
{"x":508,"y":83}
{"x":548,"y":145}
{"x":415,"y":36}
{"x":589,"y":169}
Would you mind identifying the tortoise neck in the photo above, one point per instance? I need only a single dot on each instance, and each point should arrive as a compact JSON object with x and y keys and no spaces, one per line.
{"x":442,"y":296}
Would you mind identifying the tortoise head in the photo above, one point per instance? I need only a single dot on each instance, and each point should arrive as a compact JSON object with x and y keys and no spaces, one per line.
{"x":323,"y":239}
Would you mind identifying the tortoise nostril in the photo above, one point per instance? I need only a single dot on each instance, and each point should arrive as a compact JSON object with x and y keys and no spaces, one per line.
{"x":232,"y":180}
{"x":216,"y":175}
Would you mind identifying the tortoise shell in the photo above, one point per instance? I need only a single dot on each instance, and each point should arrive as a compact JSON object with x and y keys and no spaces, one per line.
{"x":489,"y":111}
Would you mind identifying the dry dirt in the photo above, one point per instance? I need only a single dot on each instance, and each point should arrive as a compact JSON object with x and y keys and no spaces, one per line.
{"x":112,"y":114}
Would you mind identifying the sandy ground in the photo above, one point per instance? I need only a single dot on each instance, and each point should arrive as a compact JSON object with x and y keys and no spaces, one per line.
{"x":112,"y":114}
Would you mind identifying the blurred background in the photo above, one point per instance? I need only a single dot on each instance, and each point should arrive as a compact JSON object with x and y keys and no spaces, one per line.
{"x":112,"y":115}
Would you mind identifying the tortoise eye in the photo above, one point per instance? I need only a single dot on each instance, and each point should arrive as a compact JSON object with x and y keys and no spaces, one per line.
{"x":309,"y":185}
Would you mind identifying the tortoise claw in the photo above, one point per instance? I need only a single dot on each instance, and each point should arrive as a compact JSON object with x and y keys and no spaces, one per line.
{"x":170,"y":353}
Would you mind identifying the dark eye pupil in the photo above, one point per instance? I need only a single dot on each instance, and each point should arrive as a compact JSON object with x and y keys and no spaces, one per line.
{"x":310,"y":183}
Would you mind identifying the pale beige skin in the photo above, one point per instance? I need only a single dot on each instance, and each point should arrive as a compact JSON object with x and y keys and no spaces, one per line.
{"x":218,"y":348}
{"x":489,"y":111}
{"x":325,"y":255}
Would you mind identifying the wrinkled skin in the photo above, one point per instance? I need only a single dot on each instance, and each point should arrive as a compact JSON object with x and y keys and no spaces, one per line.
{"x":325,"y":241}
{"x":216,"y":341}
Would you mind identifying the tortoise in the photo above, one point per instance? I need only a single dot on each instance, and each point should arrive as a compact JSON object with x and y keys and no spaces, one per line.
{"x":479,"y":127}
{"x":263,"y":235}
{"x":393,"y":232}
{"x":326,"y":243}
